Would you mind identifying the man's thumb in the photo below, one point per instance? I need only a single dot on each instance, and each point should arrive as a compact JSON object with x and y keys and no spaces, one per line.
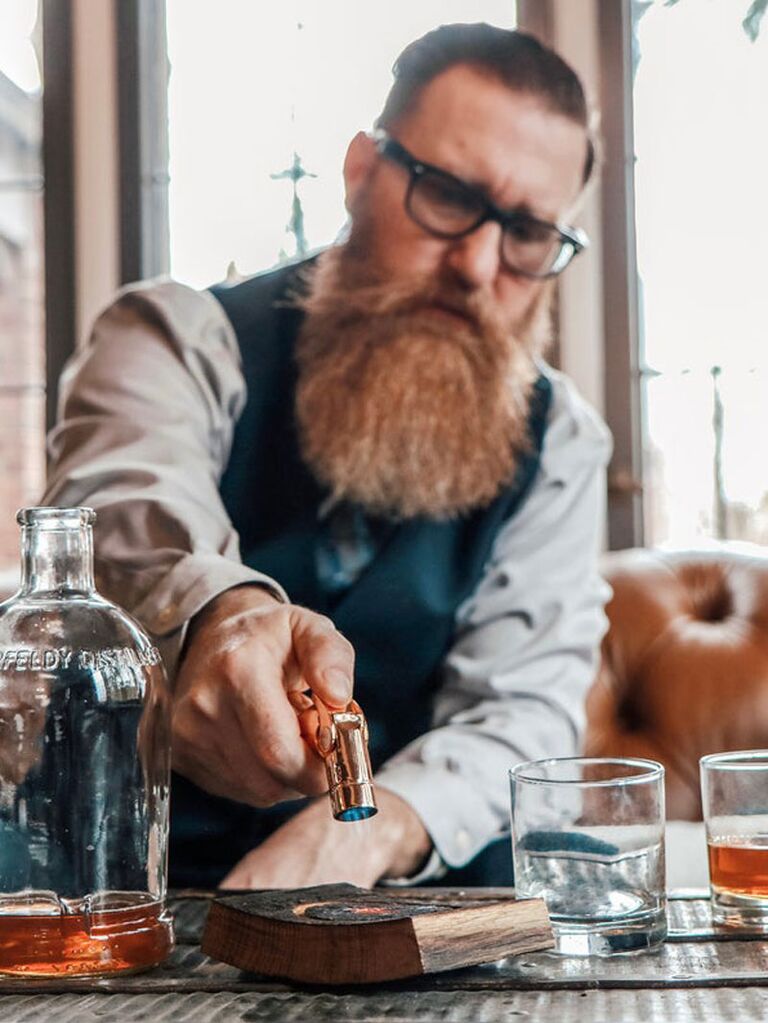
{"x":326,"y":659}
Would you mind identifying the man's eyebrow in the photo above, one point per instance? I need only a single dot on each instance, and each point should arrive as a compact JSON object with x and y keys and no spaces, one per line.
{"x":524,"y":209}
{"x":518,"y":209}
{"x":521,"y":209}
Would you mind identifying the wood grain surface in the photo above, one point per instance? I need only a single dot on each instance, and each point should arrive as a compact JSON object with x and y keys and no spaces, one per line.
{"x":701,"y":975}
{"x":340,"y":934}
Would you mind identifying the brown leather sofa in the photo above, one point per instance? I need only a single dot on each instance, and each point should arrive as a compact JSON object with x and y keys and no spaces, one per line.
{"x":684,"y":667}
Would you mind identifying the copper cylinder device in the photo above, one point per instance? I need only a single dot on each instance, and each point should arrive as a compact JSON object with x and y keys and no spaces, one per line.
{"x":342,"y":739}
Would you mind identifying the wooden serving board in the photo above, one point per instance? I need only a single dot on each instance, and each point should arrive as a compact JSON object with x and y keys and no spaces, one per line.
{"x":341,"y":934}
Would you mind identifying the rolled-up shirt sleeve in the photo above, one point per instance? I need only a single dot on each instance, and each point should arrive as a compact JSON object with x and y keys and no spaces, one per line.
{"x":146,"y":416}
{"x":525,"y":649}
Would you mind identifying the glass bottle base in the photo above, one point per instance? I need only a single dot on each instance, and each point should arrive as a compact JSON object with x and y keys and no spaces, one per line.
{"x":120,"y":935}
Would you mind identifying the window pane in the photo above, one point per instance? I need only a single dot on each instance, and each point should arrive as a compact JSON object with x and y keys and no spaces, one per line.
{"x":22,"y":365}
{"x":701,"y":138}
{"x":254,"y":85}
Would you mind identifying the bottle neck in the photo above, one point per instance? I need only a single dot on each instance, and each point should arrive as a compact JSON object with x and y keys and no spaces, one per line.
{"x":57,"y":560}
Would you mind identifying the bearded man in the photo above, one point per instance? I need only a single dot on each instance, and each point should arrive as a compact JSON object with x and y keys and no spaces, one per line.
{"x":361,"y":466}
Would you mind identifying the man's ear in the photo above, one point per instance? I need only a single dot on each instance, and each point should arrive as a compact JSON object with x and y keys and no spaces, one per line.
{"x":358,"y":165}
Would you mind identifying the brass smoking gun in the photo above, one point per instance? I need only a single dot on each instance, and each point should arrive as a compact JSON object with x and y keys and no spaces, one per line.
{"x":342,"y":740}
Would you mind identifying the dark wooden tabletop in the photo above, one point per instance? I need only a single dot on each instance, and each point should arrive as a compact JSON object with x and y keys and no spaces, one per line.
{"x":699,"y":974}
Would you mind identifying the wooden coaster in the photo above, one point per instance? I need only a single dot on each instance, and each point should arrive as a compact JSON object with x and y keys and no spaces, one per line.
{"x":341,"y":934}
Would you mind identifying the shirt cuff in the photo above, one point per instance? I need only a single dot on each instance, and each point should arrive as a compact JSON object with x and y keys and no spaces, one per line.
{"x":457,"y":819}
{"x":432,"y":870}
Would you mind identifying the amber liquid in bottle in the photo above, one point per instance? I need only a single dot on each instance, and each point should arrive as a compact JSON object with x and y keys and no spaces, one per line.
{"x":739,"y":867}
{"x":102,"y":942}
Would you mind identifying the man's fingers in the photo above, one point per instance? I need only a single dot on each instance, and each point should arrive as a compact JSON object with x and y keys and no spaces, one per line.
{"x":309,"y":719}
{"x":326,"y":659}
{"x":309,"y":723}
{"x":243,"y":725}
{"x":226,"y":765}
{"x":299,"y":701}
{"x":270,"y":724}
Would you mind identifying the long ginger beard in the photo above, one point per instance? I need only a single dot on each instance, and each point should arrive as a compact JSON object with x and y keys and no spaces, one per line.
{"x":402,"y":409}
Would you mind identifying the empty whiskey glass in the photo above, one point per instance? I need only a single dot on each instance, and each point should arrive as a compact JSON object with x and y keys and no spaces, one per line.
{"x":588,"y":838}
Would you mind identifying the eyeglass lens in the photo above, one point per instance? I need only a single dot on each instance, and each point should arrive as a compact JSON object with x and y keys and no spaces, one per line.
{"x":449,"y":209}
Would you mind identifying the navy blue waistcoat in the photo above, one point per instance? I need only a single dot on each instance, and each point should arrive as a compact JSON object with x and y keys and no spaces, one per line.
{"x":399,"y":614}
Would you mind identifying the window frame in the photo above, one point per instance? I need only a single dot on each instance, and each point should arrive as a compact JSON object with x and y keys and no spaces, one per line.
{"x":537,"y":17}
{"x":141,"y":68}
{"x":58,"y":196}
{"x":142,"y":90}
{"x":621,"y":318}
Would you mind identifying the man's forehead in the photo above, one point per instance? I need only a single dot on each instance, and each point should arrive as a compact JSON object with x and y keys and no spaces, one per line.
{"x":507,"y":142}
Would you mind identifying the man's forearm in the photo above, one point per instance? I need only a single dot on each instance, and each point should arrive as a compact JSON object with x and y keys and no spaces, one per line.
{"x":145,"y":445}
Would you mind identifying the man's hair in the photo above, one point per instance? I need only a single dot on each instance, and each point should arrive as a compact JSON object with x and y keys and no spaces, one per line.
{"x":514,"y":58}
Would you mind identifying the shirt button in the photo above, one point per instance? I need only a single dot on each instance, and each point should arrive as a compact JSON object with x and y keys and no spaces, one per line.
{"x":463,"y":838}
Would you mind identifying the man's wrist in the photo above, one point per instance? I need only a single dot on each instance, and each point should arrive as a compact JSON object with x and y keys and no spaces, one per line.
{"x":244,"y":596}
{"x":313,"y":848}
{"x":393,"y":843}
{"x":406,"y":841}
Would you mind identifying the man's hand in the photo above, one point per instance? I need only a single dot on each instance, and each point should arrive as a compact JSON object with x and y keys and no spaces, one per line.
{"x":235,"y":731}
{"x":313,"y":848}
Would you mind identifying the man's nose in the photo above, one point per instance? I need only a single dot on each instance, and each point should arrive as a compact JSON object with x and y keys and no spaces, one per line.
{"x":475,"y":257}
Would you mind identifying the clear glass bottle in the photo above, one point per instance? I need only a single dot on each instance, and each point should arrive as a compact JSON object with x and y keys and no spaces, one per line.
{"x":84,"y":767}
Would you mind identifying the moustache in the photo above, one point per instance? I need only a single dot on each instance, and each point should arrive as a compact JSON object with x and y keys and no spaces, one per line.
{"x":365,"y":294}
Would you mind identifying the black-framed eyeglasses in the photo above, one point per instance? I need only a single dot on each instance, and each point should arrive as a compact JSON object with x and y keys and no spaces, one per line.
{"x":447,"y":207}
